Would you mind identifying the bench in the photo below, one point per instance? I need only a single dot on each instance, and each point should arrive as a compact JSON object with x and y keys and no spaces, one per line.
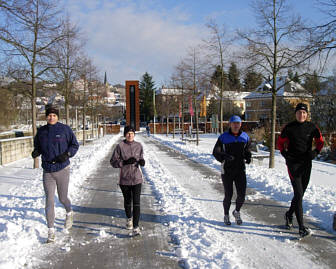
{"x":190,"y":140}
{"x":256,"y":154}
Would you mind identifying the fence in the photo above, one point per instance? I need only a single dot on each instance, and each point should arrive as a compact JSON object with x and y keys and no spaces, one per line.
{"x":161,"y":128}
{"x":14,"y":149}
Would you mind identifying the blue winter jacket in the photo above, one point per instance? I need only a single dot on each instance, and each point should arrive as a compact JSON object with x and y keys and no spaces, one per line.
{"x":53,"y":140}
{"x":237,"y":146}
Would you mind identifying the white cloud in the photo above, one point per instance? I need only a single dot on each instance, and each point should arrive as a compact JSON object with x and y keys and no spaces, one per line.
{"x":126,"y":40}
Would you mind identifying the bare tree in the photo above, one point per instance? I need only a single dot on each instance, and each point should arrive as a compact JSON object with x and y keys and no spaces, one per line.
{"x":218,"y":45}
{"x":87,"y":73}
{"x":195,"y":75}
{"x":280,"y":42}
{"x":30,"y":28}
{"x":179,"y":81}
{"x":326,"y":30}
{"x":66,"y":55}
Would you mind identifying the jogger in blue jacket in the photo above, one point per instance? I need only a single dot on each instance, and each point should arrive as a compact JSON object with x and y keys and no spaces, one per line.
{"x":232,"y":149}
{"x":56,"y":143}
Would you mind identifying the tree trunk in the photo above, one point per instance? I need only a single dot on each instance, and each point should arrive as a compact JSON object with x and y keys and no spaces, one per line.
{"x":274,"y":90}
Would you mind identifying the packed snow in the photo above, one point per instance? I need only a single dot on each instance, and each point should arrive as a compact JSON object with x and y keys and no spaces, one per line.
{"x":196,"y":224}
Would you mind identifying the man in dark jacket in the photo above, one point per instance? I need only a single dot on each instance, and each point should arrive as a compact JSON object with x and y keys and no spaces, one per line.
{"x":56,"y":143}
{"x":295,"y":145}
{"x":232,"y":149}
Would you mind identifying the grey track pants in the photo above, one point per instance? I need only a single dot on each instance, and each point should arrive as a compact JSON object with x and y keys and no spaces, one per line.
{"x":50,"y":181}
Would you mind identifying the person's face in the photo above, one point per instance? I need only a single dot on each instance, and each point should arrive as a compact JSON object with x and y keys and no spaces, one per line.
{"x":130,"y":136}
{"x":301,"y":115}
{"x":52,"y":118}
{"x":235,"y":127}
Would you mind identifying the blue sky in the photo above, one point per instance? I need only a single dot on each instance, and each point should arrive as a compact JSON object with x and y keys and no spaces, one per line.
{"x":128,"y":38}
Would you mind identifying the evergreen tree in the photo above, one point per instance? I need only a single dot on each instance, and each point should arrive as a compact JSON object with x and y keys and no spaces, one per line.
{"x":285,"y":112}
{"x":146,"y":97}
{"x":312,"y":83}
{"x":252,"y":80}
{"x":213,"y":107}
{"x":290,"y":74}
{"x":293,"y":77}
{"x":216,"y":76}
{"x":233,"y":76}
{"x":296,"y":78}
{"x":8,"y":109}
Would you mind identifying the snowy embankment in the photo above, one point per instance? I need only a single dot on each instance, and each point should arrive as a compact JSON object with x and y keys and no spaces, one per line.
{"x":320,"y":198}
{"x":22,"y":218}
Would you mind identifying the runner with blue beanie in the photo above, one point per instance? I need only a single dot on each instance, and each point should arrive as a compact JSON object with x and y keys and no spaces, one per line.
{"x":232,"y":149}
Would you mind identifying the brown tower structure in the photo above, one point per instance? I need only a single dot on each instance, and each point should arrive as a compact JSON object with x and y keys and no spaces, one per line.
{"x":132,"y":104}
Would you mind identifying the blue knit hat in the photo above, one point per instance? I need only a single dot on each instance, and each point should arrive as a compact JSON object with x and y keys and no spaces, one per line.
{"x":235,"y":118}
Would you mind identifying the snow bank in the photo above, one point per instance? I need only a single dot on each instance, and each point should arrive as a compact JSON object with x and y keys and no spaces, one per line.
{"x":22,"y":219}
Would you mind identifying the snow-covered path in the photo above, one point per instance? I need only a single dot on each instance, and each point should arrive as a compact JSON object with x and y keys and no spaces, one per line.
{"x":190,"y":197}
{"x":195,"y":207}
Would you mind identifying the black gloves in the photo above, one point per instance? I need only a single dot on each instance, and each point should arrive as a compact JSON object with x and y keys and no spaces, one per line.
{"x":141,"y":162}
{"x":248,"y":157}
{"x":62,"y":157}
{"x":284,"y":153}
{"x":129,"y":161}
{"x":132,"y":160}
{"x":248,"y":160}
{"x":35,"y":153}
{"x":313,"y":154}
{"x":226,"y":157}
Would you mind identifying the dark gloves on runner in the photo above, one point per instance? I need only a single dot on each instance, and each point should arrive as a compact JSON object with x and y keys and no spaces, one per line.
{"x":226,"y":157}
{"x":62,"y":157}
{"x":248,"y":157}
{"x":129,"y":161}
{"x":141,"y":162}
{"x":284,"y":153}
{"x":313,"y":154}
{"x":248,"y":160}
{"x":35,"y":153}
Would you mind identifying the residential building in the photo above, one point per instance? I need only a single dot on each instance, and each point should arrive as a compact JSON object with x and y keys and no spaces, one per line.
{"x":258,"y":104}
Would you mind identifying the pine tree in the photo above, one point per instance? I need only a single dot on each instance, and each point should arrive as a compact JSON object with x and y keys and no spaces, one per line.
{"x":293,"y":77}
{"x":312,"y":83}
{"x":216,"y":76}
{"x":146,"y":97}
{"x":213,"y":107}
{"x":252,"y":80}
{"x":233,"y":76}
{"x":8,"y":109}
{"x":296,"y":78}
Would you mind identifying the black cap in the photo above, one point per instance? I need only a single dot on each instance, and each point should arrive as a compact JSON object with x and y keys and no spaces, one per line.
{"x":52,"y":109}
{"x":128,"y":129}
{"x":301,"y":106}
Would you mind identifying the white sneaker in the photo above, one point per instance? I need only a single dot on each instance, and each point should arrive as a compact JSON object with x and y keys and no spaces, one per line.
{"x":51,"y":235}
{"x":236,"y":214}
{"x":136,"y":231}
{"x":129,"y":224}
{"x":68,"y":220}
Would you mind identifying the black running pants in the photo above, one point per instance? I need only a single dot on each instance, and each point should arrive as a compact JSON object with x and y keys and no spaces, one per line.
{"x":299,"y":174}
{"x":239,"y":178}
{"x":131,"y":195}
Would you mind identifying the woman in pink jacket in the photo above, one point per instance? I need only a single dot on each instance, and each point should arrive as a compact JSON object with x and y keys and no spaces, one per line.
{"x":127,"y":156}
